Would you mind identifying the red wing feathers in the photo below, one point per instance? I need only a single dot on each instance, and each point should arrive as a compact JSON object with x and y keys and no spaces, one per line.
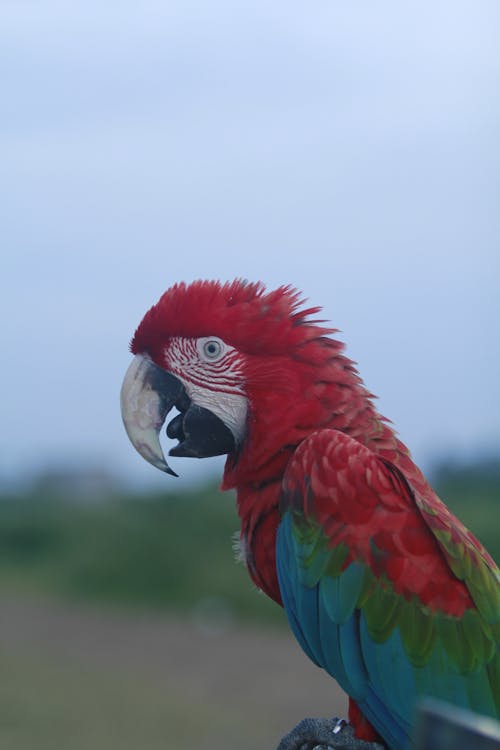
{"x":362,"y":501}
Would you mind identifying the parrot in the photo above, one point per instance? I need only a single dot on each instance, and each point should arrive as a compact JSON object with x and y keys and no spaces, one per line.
{"x":382,"y":586}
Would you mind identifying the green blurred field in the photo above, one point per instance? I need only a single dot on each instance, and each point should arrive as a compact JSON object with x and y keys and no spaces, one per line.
{"x":168,"y":551}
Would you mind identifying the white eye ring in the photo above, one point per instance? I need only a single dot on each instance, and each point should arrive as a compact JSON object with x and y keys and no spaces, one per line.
{"x":212,"y":349}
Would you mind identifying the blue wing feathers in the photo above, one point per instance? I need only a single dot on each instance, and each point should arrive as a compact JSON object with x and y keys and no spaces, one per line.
{"x":337,"y":647}
{"x":392,"y":685}
{"x":378,"y":674}
{"x":352,"y":659}
{"x":340,"y":595}
{"x":291,"y":594}
{"x":333,"y":662}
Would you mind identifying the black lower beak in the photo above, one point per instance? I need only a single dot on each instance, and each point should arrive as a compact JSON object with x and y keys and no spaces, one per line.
{"x":200,"y":433}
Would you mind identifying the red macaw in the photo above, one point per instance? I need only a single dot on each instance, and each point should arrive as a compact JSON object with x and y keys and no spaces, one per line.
{"x":383,"y":587}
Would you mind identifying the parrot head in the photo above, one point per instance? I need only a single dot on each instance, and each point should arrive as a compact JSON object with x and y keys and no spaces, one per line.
{"x":248,"y":372}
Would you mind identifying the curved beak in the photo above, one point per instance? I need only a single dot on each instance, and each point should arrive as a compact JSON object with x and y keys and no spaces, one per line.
{"x":148,"y":394}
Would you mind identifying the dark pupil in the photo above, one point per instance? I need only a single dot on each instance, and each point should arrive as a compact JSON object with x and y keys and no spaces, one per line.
{"x":212,"y":348}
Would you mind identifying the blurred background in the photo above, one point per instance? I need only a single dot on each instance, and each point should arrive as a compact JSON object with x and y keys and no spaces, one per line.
{"x":349,"y":149}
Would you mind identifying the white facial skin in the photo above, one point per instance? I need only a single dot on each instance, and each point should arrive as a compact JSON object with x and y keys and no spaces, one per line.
{"x":212,"y":374}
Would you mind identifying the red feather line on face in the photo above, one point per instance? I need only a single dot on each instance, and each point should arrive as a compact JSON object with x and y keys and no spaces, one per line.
{"x":181,"y":358}
{"x":241,"y":313}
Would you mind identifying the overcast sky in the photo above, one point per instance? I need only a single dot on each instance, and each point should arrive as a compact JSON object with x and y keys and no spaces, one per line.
{"x":351,"y":149}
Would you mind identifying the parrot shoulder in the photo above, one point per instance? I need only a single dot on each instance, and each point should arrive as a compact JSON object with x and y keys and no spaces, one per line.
{"x":365,"y":506}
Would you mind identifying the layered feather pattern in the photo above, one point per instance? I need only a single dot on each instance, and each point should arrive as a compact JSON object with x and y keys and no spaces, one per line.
{"x":390,"y":594}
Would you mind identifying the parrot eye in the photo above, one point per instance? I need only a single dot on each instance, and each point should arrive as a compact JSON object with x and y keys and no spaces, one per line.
{"x":212,"y":349}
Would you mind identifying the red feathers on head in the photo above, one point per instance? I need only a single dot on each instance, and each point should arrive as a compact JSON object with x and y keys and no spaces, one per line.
{"x":241,"y":313}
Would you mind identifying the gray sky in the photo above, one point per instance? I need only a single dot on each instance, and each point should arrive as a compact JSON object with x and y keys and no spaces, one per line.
{"x":351,"y":149}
